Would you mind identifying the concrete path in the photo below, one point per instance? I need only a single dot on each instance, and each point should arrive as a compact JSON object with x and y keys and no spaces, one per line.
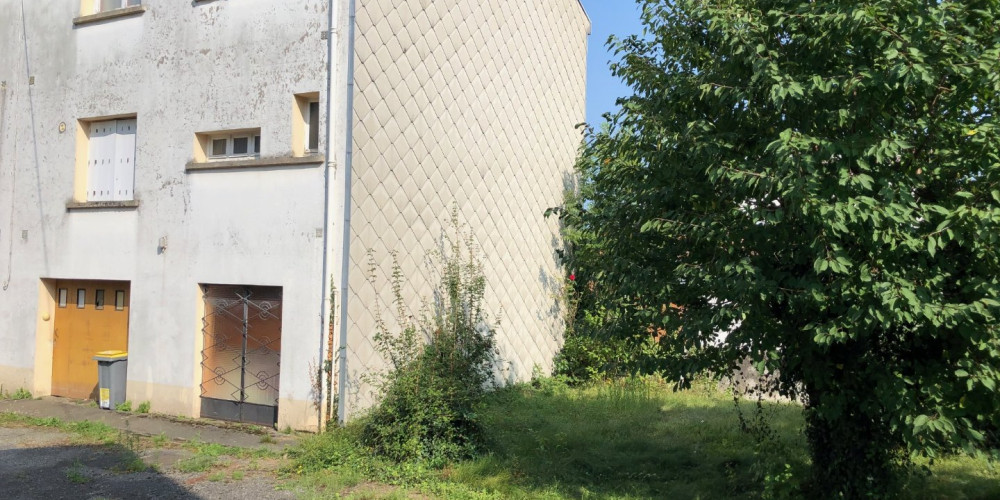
{"x":208,"y":431}
{"x":42,"y":462}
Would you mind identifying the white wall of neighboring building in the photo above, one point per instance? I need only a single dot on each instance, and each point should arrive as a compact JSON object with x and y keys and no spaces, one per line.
{"x":180,"y":68}
{"x":469,"y":104}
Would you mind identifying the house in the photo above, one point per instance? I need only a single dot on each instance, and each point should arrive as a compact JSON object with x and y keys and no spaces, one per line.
{"x":200,"y":183}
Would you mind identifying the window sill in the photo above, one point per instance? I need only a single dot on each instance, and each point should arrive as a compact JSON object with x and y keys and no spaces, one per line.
{"x":111,"y":14}
{"x":101,"y":205}
{"x":282,"y":161}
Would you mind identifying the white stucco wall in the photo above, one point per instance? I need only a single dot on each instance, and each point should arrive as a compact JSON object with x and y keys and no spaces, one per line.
{"x":181,"y":68}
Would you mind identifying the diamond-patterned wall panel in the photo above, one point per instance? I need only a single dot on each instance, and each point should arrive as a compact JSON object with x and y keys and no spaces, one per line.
{"x":469,"y":104}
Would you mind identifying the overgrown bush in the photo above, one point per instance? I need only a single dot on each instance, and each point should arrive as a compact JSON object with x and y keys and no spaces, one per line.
{"x":585,"y":358}
{"x":441,"y":363}
{"x":598,"y":342}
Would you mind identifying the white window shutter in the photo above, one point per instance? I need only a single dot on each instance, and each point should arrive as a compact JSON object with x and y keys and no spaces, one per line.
{"x":124,"y":166}
{"x":100,"y":162}
{"x":107,"y":175}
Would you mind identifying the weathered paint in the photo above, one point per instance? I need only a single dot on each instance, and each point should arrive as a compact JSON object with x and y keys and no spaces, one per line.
{"x":180,"y":68}
{"x":80,"y":332}
{"x":461,"y":102}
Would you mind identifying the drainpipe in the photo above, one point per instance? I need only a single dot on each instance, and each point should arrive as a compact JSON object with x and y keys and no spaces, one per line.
{"x":346,"y":255}
{"x":324,"y":312}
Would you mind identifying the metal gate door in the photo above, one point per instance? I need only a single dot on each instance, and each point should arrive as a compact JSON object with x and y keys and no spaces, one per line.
{"x":242,"y":353}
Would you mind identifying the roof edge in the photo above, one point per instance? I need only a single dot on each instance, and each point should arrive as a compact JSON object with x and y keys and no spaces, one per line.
{"x":590,"y":22}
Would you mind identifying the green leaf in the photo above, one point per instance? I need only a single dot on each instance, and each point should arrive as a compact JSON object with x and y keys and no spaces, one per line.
{"x":989,"y":383}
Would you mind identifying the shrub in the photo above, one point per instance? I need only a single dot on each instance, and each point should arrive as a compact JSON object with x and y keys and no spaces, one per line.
{"x":441,"y":364}
{"x":143,"y":407}
{"x":599,"y":342}
{"x":584,"y":358}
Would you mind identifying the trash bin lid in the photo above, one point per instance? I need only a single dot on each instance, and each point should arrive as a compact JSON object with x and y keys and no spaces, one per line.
{"x":111,"y":355}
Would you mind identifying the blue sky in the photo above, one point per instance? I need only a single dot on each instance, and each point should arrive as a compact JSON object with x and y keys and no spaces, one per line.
{"x":618,"y":17}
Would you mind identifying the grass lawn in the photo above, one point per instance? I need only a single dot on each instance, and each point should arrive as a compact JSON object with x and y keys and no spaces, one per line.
{"x":615,"y":441}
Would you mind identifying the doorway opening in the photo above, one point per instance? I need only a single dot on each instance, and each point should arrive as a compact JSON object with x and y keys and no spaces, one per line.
{"x":242,"y":353}
{"x":90,"y":317}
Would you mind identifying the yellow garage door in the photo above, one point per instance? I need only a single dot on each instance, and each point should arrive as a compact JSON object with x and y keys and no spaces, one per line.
{"x":91,"y":316}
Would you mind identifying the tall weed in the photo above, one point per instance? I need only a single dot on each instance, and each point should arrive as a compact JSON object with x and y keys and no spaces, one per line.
{"x":441,"y":362}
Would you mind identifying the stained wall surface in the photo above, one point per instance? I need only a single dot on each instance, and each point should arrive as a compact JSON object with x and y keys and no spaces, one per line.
{"x":471,"y":105}
{"x":179,"y":67}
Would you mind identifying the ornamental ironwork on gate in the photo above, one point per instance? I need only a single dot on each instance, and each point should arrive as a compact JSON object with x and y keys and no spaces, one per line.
{"x":242,"y":352}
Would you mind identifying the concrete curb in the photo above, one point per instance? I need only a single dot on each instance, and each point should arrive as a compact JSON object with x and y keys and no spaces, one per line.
{"x":150,"y":424}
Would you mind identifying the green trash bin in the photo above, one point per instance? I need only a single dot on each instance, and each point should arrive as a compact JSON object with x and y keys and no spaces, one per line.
{"x":111,"y":366}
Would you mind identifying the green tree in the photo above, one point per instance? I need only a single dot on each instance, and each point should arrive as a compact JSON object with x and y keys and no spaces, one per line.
{"x":820,"y":179}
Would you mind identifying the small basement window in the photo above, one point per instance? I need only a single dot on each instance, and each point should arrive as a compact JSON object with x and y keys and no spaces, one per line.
{"x":230,"y":145}
{"x":88,"y":7}
{"x":235,"y":146}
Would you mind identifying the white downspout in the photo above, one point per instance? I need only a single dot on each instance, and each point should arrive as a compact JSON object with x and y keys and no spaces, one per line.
{"x":328,"y":167}
{"x":346,"y":255}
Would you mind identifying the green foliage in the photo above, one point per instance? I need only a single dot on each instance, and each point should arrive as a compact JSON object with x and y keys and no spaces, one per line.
{"x":20,"y":393}
{"x":625,"y":438}
{"x":599,"y":340}
{"x":217,"y":450}
{"x":584,"y":359}
{"x":593,"y":347}
{"x":336,"y":447}
{"x":770,"y":468}
{"x":87,"y":430}
{"x":160,"y":440}
{"x":75,"y":474}
{"x":617,"y":439}
{"x":125,"y":406}
{"x":341,"y":451}
{"x":197,"y":463}
{"x":622,"y":439}
{"x":132,"y":464}
{"x":441,"y":363}
{"x":819,"y":179}
{"x":143,"y":407}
